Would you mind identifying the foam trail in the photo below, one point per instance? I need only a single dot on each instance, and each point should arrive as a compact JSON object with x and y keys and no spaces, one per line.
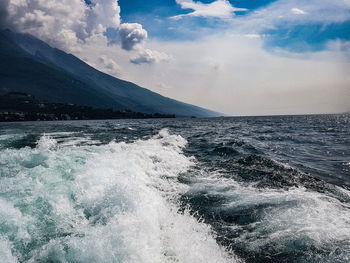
{"x":288,"y":221}
{"x":5,"y":251}
{"x":112,"y":203}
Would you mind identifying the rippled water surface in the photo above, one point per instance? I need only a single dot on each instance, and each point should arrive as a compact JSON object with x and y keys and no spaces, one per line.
{"x":249,"y":189}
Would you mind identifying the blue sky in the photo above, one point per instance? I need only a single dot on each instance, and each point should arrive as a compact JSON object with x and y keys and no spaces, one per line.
{"x":297,"y":35}
{"x":242,"y":57}
{"x":154,"y":16}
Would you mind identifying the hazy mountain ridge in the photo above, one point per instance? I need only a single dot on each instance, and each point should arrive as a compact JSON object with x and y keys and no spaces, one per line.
{"x":30,"y":65}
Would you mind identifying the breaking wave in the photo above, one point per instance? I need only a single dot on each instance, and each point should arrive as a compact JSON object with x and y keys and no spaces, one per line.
{"x":257,"y":189}
{"x":117,"y":202}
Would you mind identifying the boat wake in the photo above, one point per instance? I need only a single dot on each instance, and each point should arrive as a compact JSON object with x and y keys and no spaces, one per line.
{"x":118,"y":202}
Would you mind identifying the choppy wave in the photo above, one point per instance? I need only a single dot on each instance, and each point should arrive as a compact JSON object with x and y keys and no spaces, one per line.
{"x":259,"y":189}
{"x":274,"y":225}
{"x":111,"y":203}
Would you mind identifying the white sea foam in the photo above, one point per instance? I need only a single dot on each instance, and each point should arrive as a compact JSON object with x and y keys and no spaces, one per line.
{"x":46,"y":143}
{"x":110,"y":203}
{"x":294,"y":215}
{"x":10,"y":137}
{"x":67,"y":139}
{"x":5,"y":251}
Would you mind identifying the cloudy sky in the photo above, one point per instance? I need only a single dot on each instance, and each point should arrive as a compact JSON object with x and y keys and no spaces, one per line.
{"x":242,"y":57}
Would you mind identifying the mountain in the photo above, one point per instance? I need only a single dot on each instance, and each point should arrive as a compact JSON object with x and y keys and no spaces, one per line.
{"x":31,"y":66}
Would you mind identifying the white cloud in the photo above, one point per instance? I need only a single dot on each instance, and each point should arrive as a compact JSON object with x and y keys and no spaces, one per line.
{"x":71,"y":24}
{"x":162,"y":86}
{"x":105,"y":13}
{"x":284,"y":12}
{"x":239,"y":77}
{"x":60,"y":23}
{"x":217,"y":9}
{"x":252,"y":35}
{"x":148,"y":56}
{"x":131,"y":34}
{"x":298,"y":11}
{"x":108,"y":65}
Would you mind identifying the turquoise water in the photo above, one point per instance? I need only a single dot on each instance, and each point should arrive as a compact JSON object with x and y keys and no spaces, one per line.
{"x":260,"y":189}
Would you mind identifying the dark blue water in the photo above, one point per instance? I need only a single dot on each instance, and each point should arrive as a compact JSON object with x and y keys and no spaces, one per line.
{"x":255,"y":189}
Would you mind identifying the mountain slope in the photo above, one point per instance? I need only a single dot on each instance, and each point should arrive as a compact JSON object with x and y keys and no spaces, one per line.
{"x":22,"y":72}
{"x":30,"y":65}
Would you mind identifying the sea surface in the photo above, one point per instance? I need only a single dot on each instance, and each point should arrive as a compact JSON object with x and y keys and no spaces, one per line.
{"x":244,"y":189}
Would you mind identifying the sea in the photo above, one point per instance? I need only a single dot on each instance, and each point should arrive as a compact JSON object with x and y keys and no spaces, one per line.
{"x":235,"y":189}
